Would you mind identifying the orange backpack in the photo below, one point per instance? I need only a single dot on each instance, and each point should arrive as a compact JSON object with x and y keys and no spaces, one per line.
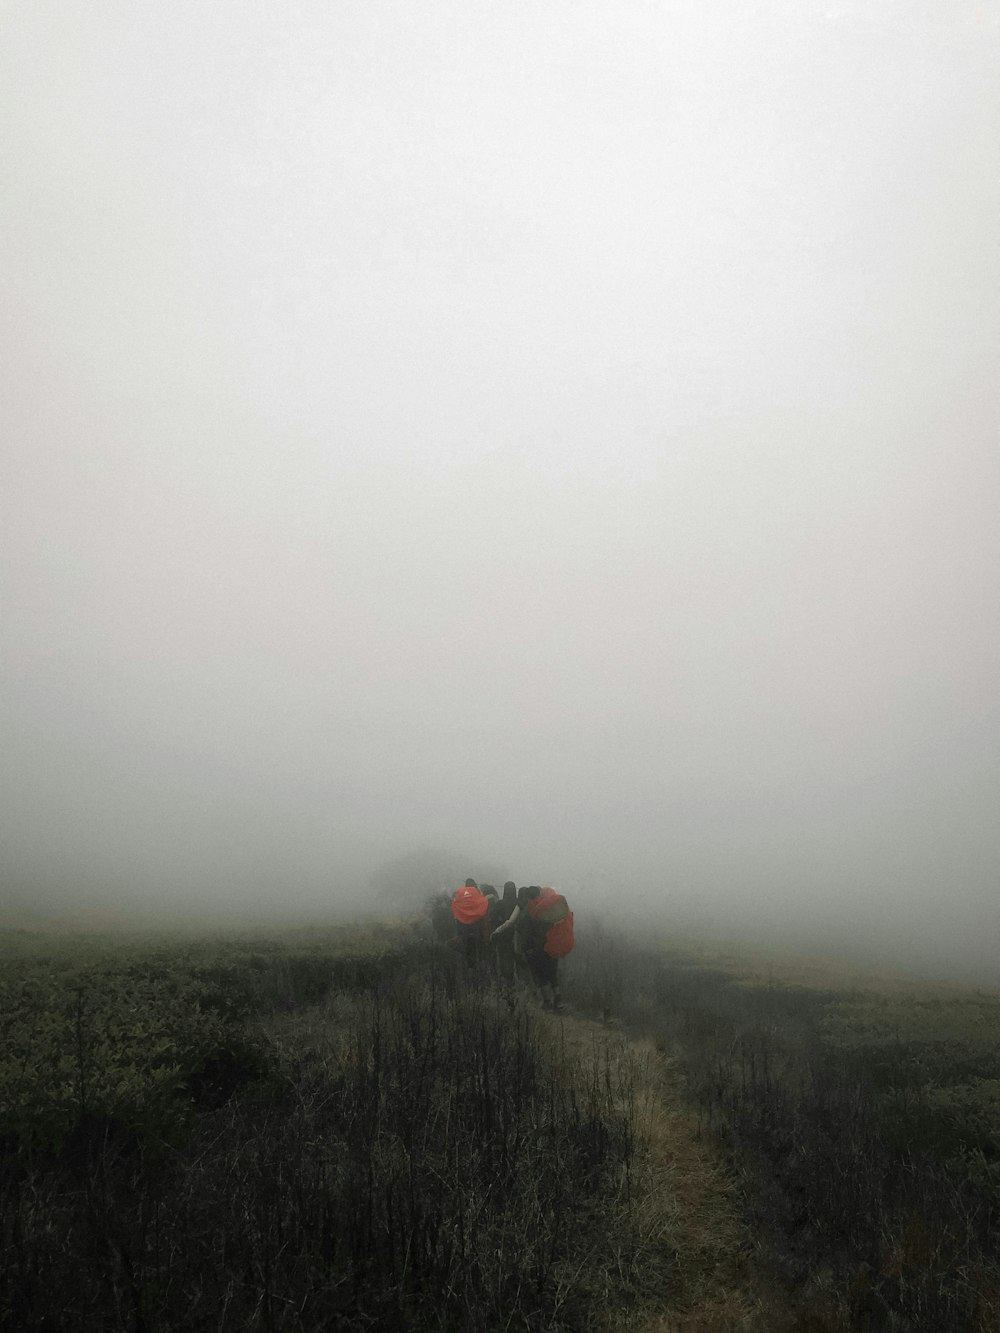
{"x":468,"y":905}
{"x":560,"y":940}
{"x":552,"y":907}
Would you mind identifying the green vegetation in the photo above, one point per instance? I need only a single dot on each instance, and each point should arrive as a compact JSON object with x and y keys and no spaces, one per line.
{"x":343,"y":1128}
{"x":138,"y":1034}
{"x":300,"y":1136}
{"x":861,"y":1116}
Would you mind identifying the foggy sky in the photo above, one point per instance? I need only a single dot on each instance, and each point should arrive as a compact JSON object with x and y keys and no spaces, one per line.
{"x":561,"y":431}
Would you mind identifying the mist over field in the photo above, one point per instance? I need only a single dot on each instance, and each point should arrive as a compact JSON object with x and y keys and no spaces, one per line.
{"x":563,"y":435}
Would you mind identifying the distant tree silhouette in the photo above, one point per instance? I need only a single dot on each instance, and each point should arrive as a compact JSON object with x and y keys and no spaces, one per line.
{"x":406,"y":882}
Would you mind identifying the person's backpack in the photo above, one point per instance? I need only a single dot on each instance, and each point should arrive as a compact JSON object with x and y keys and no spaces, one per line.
{"x":551,"y":908}
{"x":560,"y":940}
{"x":468,"y":905}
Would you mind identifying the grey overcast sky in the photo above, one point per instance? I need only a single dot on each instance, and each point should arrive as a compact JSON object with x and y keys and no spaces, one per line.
{"x":561,"y":431}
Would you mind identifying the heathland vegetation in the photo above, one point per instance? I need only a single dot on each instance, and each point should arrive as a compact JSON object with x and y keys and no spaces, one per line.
{"x":340,"y":1128}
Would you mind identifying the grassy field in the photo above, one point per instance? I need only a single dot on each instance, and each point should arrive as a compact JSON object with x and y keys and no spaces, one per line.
{"x":342,"y":1128}
{"x":337,"y":1130}
{"x":859,"y":1113}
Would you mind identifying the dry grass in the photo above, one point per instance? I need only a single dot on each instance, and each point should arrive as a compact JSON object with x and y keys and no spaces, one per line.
{"x":758,"y":965}
{"x":693,"y":1268}
{"x":850,"y":1103}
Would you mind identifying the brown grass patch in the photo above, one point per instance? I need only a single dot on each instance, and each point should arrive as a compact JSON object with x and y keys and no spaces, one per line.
{"x":693,"y":1270}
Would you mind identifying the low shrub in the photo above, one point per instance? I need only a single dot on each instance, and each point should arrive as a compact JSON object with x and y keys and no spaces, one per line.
{"x":412,"y":1152}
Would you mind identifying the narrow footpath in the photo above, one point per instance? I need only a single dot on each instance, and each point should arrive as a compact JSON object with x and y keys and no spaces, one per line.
{"x":703,"y":1274}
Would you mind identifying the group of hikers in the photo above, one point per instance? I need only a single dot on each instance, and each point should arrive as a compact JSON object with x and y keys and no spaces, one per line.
{"x":529,"y":927}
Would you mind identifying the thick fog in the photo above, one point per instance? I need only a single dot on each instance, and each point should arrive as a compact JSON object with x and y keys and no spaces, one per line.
{"x":562,"y":434}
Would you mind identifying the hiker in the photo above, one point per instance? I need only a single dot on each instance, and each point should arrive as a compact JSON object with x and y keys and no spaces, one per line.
{"x":503,"y":953}
{"x":470,"y":909}
{"x":492,"y":903}
{"x":544,"y":925}
{"x":489,"y":923}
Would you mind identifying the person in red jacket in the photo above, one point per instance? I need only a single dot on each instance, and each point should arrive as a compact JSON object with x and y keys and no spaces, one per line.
{"x":469,"y":907}
{"x":537,"y":913}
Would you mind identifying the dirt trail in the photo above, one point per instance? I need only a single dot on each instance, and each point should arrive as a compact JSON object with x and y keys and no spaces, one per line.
{"x":684,"y":1202}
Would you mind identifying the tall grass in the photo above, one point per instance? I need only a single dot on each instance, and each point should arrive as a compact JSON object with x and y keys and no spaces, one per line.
{"x":414,"y":1151}
{"x":867,"y":1158}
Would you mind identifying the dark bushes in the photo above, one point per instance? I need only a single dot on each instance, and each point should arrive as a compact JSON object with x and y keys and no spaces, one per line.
{"x":410,"y":1154}
{"x":867,"y":1153}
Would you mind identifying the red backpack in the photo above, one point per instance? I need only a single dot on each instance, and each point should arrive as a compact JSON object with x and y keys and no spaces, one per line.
{"x":468,"y":905}
{"x":552,"y":907}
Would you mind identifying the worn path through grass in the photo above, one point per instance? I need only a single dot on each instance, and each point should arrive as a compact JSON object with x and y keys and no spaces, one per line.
{"x":702,"y":1272}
